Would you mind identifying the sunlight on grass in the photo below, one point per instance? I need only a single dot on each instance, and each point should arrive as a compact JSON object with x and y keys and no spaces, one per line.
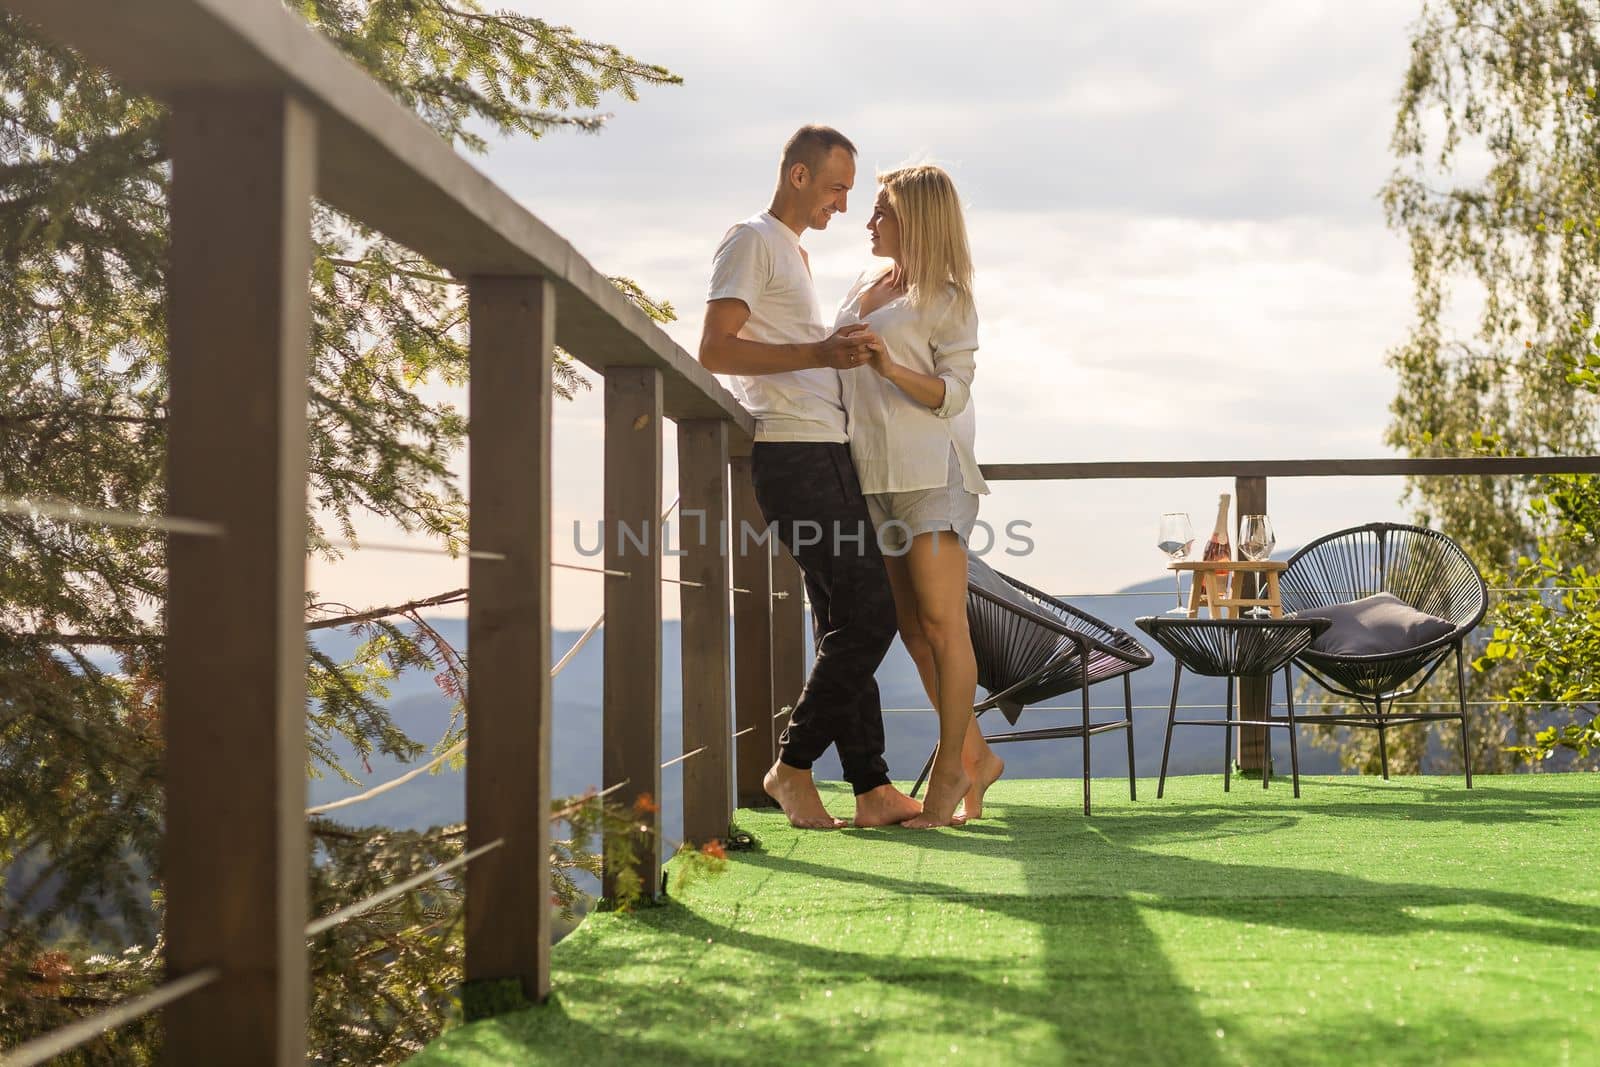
{"x":1401,"y":922}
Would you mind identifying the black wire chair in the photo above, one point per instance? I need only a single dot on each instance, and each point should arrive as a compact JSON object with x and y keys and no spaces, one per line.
{"x":1233,"y":648}
{"x":1419,"y":566}
{"x":1035,"y":647}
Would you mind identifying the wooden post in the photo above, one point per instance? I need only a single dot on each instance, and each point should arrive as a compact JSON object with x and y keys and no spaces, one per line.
{"x":788,"y":635}
{"x":235,"y":855}
{"x":706,"y":649}
{"x":1251,"y":495}
{"x":752,"y":639}
{"x":508,"y":633}
{"x":632,"y":702}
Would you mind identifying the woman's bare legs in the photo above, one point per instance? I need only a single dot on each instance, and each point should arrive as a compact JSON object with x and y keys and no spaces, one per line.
{"x":931,"y":581}
{"x":916,"y":642}
{"x":978,"y":760}
{"x":983,"y":767}
{"x":905,"y":611}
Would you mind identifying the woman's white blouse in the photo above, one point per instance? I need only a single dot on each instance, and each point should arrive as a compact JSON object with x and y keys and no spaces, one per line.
{"x":899,"y":444}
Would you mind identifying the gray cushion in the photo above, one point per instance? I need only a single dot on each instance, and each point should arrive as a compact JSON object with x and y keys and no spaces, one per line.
{"x":988,"y":579}
{"x":1373,"y":626}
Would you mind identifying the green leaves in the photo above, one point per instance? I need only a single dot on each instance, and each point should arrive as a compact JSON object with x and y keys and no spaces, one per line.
{"x":1546,"y":643}
{"x":463,"y":69}
{"x":1496,"y":188}
{"x":83,"y":247}
{"x":80,"y":825}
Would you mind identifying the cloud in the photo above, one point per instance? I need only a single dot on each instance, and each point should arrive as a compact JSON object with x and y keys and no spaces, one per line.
{"x":1172,"y":210}
{"x":1225,"y":110}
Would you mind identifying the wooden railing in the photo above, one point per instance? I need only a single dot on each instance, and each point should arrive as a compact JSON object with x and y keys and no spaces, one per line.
{"x":265,"y":116}
{"x":1250,"y":498}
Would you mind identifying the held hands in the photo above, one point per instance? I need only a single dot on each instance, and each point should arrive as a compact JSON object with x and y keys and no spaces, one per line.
{"x":848,"y":347}
{"x":878,"y":358}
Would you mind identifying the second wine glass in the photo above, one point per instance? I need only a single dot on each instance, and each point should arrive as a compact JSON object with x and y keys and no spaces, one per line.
{"x":1176,"y":539}
{"x":1256,"y":542}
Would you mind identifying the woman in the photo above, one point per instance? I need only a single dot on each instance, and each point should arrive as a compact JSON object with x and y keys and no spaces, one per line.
{"x":911,"y":436}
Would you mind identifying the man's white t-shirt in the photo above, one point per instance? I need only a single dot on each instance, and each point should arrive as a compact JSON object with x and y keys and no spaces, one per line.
{"x":759,"y":262}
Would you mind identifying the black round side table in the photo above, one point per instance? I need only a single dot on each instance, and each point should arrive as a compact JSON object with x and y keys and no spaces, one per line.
{"x":1233,"y":648}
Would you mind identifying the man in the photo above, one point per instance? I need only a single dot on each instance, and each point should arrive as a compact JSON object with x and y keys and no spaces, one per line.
{"x":764,"y":327}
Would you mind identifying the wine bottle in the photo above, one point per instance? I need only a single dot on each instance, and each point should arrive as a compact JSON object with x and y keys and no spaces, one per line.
{"x":1218,"y":547}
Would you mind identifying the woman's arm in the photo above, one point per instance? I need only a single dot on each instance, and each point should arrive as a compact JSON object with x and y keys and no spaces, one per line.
{"x":946,"y":393}
{"x":925,"y":389}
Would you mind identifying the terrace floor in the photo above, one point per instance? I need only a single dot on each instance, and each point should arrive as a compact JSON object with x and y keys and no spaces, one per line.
{"x":1401,"y":922}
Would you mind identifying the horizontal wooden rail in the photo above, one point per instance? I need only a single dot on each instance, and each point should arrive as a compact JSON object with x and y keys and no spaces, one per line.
{"x":265,"y":115}
{"x":1250,"y":490}
{"x":1288,"y":468}
{"x":380,"y":163}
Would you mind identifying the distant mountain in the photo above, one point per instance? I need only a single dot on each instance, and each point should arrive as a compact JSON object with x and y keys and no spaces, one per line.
{"x":421,"y":711}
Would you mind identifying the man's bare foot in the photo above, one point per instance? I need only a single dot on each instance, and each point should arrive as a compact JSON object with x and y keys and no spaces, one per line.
{"x":945,"y":791}
{"x":985,"y":773}
{"x":885,"y":806}
{"x":797,"y":795}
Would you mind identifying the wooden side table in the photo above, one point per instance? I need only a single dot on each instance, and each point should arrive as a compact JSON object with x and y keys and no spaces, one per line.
{"x":1208,"y":589}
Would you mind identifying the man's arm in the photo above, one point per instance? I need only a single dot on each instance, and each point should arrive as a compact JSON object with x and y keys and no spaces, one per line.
{"x":723,"y":351}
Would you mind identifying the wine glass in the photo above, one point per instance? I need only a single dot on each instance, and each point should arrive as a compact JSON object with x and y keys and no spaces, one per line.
{"x":1176,"y":539}
{"x":1256,"y":542}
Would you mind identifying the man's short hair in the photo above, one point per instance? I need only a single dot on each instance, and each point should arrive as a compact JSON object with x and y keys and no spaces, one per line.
{"x":811,"y":144}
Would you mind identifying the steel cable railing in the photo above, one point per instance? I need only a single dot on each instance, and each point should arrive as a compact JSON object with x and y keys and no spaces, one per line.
{"x":65,"y":1039}
{"x":1077,"y":709}
{"x":460,"y":746}
{"x":59,"y":1042}
{"x":75,"y":513}
{"x":399,"y":889}
{"x":74,"y":1035}
{"x":62,"y":511}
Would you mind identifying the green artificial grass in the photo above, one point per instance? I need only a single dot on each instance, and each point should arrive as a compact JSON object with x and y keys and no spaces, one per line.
{"x":1402,"y":922}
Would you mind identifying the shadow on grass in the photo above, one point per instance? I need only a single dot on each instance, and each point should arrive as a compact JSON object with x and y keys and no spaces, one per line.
{"x":1111,"y":854}
{"x":740,"y":983}
{"x":1078,"y":1014}
{"x":1323,"y":901}
{"x":1259,"y":813}
{"x":1357,"y":1037}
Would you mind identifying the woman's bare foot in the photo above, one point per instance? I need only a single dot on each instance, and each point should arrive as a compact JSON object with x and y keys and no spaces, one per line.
{"x":797,"y":795}
{"x":984,"y":773}
{"x":885,"y":806}
{"x":945,"y":791}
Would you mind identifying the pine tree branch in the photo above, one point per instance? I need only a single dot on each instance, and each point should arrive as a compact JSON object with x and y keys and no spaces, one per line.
{"x":362,"y":264}
{"x":140,"y":640}
{"x":374,"y":614}
{"x":78,"y":413}
{"x":521,"y":25}
{"x":89,"y":640}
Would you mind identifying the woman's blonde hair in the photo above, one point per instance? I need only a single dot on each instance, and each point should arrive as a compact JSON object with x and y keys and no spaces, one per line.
{"x":933,"y":235}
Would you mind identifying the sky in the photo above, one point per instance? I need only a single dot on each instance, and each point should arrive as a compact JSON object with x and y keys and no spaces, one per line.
{"x":1174,"y":216}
